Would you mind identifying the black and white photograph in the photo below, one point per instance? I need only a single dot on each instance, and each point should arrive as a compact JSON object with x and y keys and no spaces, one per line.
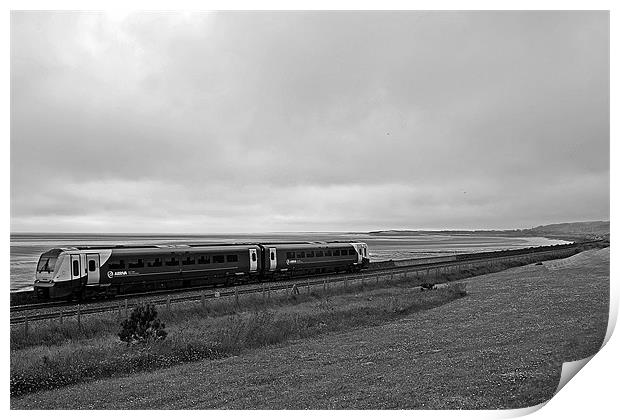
{"x":306,"y":209}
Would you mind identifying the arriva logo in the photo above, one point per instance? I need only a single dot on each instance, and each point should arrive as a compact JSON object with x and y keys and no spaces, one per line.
{"x":116,"y":273}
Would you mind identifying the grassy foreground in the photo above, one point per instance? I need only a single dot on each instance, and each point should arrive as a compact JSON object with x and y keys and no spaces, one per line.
{"x":54,"y":355}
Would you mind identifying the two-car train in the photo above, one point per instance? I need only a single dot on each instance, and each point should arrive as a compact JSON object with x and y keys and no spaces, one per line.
{"x":79,"y":272}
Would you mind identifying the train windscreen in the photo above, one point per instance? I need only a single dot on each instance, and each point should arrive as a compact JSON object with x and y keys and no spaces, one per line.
{"x":46,"y":264}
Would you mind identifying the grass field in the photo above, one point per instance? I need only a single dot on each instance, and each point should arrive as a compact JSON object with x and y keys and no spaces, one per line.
{"x":501,"y":346}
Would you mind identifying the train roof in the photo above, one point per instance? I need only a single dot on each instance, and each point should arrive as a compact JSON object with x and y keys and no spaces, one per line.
{"x":159,"y":246}
{"x":189,"y":246}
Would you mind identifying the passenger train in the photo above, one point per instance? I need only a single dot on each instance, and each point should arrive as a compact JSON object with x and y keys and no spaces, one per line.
{"x":81,"y":272}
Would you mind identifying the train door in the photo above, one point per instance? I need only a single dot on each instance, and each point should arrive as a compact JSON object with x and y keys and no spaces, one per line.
{"x":273,"y":259}
{"x":75,"y":266}
{"x":92,"y":269}
{"x":253,"y":260}
{"x":360,"y":251}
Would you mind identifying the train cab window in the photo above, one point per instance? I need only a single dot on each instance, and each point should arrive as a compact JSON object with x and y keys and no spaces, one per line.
{"x":352,"y":252}
{"x":290,"y":255}
{"x":336,"y":252}
{"x":273,"y":256}
{"x":218,"y":259}
{"x":76,"y":268}
{"x":319,"y":253}
{"x":310,"y":254}
{"x":234,"y":258}
{"x":204,"y":259}
{"x":253,"y":257}
{"x":172,"y":262}
{"x":365,"y":252}
{"x":92,"y":265}
{"x":189,"y":261}
{"x":301,"y":254}
{"x":328,"y":253}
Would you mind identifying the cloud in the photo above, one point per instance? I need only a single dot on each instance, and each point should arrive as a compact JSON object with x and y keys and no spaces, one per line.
{"x":235,"y":121}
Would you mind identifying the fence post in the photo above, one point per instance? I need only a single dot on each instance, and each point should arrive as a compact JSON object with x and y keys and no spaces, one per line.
{"x":61,"y":315}
{"x":377,"y":279}
{"x":308,"y":286}
{"x":324,"y":285}
{"x":168,"y":303}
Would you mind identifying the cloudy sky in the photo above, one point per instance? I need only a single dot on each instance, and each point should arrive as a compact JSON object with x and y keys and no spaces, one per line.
{"x":273,"y":121}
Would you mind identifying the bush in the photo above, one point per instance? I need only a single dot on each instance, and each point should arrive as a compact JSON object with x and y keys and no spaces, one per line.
{"x":142,"y":325}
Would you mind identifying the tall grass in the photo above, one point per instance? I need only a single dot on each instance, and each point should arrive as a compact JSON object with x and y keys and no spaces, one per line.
{"x":195,"y":337}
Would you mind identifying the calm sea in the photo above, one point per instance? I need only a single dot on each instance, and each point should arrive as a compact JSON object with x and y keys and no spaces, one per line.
{"x":26,"y":248}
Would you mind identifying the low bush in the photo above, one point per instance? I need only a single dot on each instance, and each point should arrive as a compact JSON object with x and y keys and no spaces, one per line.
{"x":142,"y":325}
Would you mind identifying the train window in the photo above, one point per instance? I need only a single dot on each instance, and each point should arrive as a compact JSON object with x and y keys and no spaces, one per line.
{"x":218,"y":259}
{"x":273,"y":256}
{"x":136,"y":264}
{"x":76,"y":268}
{"x":204,"y":259}
{"x":310,"y":254}
{"x":172,"y":262}
{"x":365,"y":252}
{"x":253,"y":257}
{"x":189,"y":261}
{"x":301,"y":254}
{"x":352,"y":252}
{"x":290,"y":255}
{"x":328,"y":253}
{"x":157,"y":262}
{"x":117,"y":264}
{"x":92,"y":265}
{"x":319,"y":253}
{"x":234,"y":258}
{"x":336,"y":252}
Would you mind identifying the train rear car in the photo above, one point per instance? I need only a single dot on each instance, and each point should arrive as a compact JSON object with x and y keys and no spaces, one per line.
{"x":306,"y":258}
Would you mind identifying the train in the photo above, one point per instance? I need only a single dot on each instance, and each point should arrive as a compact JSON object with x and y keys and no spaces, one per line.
{"x":81,"y":272}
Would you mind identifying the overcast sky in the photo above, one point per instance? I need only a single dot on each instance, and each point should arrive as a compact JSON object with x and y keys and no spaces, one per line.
{"x":296,"y":121}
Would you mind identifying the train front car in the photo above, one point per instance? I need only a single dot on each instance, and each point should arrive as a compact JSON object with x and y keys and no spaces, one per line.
{"x":60,"y":273}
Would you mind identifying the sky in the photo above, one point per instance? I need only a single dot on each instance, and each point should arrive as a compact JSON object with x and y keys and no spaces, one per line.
{"x":212,"y":122}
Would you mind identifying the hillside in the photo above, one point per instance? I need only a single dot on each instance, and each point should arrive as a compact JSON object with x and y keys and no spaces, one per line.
{"x":598,"y":229}
{"x":567,"y":231}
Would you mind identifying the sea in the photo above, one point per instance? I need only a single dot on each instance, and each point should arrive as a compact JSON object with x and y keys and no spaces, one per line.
{"x":27,"y":247}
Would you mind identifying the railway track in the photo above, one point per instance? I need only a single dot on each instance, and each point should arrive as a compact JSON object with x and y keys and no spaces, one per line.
{"x":37,"y":311}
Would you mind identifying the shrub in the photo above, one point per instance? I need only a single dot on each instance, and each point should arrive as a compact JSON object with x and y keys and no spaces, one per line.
{"x":142,"y":325}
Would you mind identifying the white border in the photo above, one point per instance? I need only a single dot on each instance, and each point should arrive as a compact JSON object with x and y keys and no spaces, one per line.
{"x":592,"y":393}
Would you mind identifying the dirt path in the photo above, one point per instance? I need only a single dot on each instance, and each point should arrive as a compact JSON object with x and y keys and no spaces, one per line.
{"x":499,"y":347}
